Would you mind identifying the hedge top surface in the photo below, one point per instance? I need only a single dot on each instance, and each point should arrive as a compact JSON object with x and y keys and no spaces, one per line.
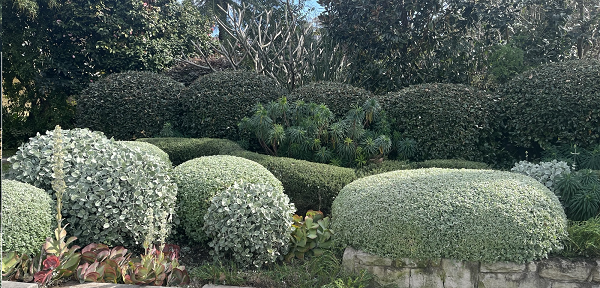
{"x":338,"y":97}
{"x":552,"y":102}
{"x":149,"y":149}
{"x":447,"y":120}
{"x":200,"y":179}
{"x":474,"y":215}
{"x":27,"y":217}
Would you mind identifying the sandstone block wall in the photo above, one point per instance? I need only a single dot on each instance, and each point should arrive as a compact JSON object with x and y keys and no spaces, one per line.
{"x":447,"y":273}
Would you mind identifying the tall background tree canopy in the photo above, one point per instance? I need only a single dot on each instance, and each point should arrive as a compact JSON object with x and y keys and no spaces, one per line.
{"x":52,"y":49}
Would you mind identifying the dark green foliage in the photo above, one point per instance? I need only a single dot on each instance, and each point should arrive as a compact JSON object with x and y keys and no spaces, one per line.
{"x":553,"y":104}
{"x":215,"y":104}
{"x":579,"y":192}
{"x":129,"y":105}
{"x":309,"y":185}
{"x":338,"y":97}
{"x":584,"y":238}
{"x":184,"y":149}
{"x":187,"y":73}
{"x":385,"y":166}
{"x":591,"y":159}
{"x":447,"y":120}
{"x":451,"y":164}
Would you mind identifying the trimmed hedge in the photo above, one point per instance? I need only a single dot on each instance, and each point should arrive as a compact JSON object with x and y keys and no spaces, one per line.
{"x":27,"y":217}
{"x":385,"y":166}
{"x":309,"y":185}
{"x":338,"y":97}
{"x":187,"y":73}
{"x":451,"y":164}
{"x":150,"y":149}
{"x":447,"y":120}
{"x":200,"y":179}
{"x":129,"y":105}
{"x":473,"y":215}
{"x":215,"y":104}
{"x":184,"y":149}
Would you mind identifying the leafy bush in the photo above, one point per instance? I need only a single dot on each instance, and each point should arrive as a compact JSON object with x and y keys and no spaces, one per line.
{"x":149,"y":149}
{"x":447,"y":120}
{"x":129,"y":105}
{"x":217,"y":102}
{"x":309,"y":185}
{"x":311,"y":235}
{"x":184,"y":149}
{"x":553,"y":104}
{"x":584,"y":238}
{"x":579,"y":193}
{"x":202,"y":178}
{"x":187,"y":73}
{"x":474,"y":215}
{"x":109,"y":187}
{"x":249,"y":223}
{"x":451,"y":164}
{"x":544,"y":172}
{"x":26,"y":217}
{"x":339,"y":97}
{"x":385,"y":166}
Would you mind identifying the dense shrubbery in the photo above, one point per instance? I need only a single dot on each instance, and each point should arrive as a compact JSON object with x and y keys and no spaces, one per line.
{"x":150,"y":149}
{"x":215,"y":104}
{"x":250,"y":224}
{"x":26,"y":217}
{"x":385,"y":166}
{"x":184,"y":149}
{"x":338,"y":97}
{"x":553,"y":104}
{"x":451,"y":164}
{"x":579,"y":193}
{"x":200,"y":179}
{"x":110,"y":188}
{"x":187,"y":73}
{"x":447,"y":120}
{"x":478,"y":215}
{"x":545,"y":172}
{"x":129,"y":105}
{"x":584,"y":239}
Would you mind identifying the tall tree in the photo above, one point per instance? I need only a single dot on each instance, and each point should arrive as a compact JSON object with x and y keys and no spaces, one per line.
{"x":51,"y":50}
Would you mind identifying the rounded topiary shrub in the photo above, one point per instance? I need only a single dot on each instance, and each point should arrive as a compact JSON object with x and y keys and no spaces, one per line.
{"x":217,"y":102}
{"x":26,"y":217}
{"x":249,"y":223}
{"x":447,"y":120}
{"x":338,"y":97}
{"x":557,"y":102}
{"x":474,"y":215}
{"x":202,"y":178}
{"x":129,"y":105}
{"x":110,"y":188}
{"x":150,"y":149}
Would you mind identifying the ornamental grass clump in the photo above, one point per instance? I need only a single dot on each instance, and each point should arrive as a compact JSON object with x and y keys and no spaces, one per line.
{"x":108,"y":186}
{"x":201,"y":179}
{"x":472,"y":215}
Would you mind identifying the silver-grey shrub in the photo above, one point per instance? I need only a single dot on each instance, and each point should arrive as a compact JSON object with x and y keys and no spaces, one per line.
{"x":26,"y":217}
{"x":474,"y":215}
{"x":150,"y":149}
{"x":545,"y":172}
{"x":250,"y":224}
{"x":200,"y":179}
{"x":109,"y":187}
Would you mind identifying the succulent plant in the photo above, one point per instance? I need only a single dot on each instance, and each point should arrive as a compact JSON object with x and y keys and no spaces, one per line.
{"x":311,"y":235}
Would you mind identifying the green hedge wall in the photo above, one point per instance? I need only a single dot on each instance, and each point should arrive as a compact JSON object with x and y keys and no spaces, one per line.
{"x":184,"y":149}
{"x":338,"y":97}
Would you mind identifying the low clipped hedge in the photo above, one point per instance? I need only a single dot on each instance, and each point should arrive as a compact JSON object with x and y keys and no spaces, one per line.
{"x":447,"y":120}
{"x":472,"y":215}
{"x":200,"y":179}
{"x":184,"y":149}
{"x":26,"y":217}
{"x":451,"y":164}
{"x":150,"y":149}
{"x":385,"y":166}
{"x":338,"y":97}
{"x":129,"y":105}
{"x":557,"y":102}
{"x":215,"y":103}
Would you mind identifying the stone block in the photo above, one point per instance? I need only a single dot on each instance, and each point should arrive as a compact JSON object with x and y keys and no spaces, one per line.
{"x":596,"y":272}
{"x":500,"y":280}
{"x":532,"y":267}
{"x":426,"y":278}
{"x":459,"y":274}
{"x":565,"y":270}
{"x":399,"y":277}
{"x":570,"y":285}
{"x":502,"y":267}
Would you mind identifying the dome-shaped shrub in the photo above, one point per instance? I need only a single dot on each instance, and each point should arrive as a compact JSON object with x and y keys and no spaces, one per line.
{"x":558,"y":102}
{"x":338,"y":97}
{"x":129,"y":105}
{"x":217,"y":102}
{"x":26,"y":217}
{"x":249,"y":223}
{"x":202,"y":178}
{"x":150,"y":149}
{"x":447,"y":120}
{"x":474,"y":215}
{"x":110,"y":188}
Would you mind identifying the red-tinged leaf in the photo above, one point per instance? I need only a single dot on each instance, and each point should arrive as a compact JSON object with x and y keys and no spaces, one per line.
{"x":103,"y":254}
{"x":51,"y":262}
{"x":63,"y":273}
{"x":179,"y":277}
{"x":127,"y":279}
{"x":92,"y":277}
{"x":110,"y":274}
{"x":88,"y":256}
{"x":171,"y":251}
{"x":42,"y":277}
